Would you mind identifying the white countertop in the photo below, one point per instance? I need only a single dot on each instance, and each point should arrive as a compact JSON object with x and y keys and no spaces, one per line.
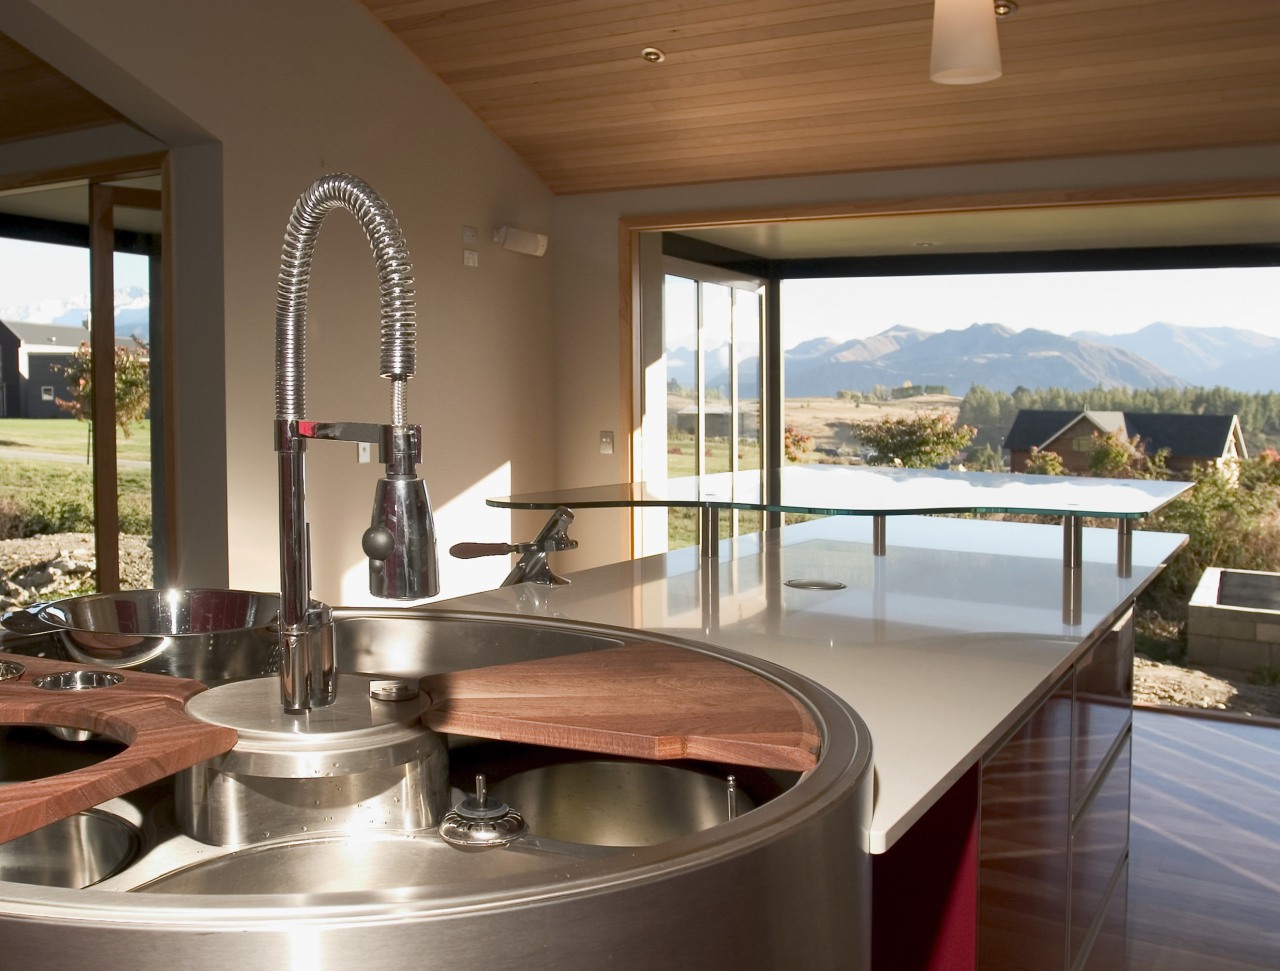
{"x":941,"y":646}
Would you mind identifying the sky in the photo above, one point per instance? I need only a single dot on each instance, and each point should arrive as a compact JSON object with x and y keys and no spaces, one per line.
{"x":31,"y":272}
{"x":1108,"y":302}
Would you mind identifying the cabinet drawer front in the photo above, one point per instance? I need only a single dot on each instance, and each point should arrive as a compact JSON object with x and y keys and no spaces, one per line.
{"x":1099,"y":846}
{"x":1110,"y":949}
{"x":1023,"y":843}
{"x":1103,"y":707}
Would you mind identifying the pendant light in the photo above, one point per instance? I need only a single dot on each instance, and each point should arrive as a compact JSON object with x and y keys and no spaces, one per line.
{"x":966,"y":49}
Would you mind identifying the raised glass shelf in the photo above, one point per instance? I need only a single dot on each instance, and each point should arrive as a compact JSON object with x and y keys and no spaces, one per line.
{"x":834,"y":490}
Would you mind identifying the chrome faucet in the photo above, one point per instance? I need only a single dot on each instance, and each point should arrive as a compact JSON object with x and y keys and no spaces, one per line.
{"x":400,"y":543}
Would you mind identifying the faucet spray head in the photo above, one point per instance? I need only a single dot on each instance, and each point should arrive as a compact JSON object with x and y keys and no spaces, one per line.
{"x":401,"y":539}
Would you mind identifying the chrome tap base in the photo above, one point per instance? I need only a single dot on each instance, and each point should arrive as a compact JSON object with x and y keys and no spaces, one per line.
{"x":358,"y":765}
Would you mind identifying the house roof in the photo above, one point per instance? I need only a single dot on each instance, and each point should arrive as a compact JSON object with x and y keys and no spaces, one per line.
{"x":1191,"y":435}
{"x":53,"y":335}
{"x":1183,"y":435}
{"x":1033,"y":427}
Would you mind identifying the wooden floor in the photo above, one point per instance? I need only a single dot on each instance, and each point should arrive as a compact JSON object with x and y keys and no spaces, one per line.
{"x":1204,"y":881}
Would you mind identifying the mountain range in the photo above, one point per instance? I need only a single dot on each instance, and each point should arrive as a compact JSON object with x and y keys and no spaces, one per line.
{"x":1205,"y":356}
{"x":132,"y":307}
{"x":992,"y":355}
{"x":1002,"y":359}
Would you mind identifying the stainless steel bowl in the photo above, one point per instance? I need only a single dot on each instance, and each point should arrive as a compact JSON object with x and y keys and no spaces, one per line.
{"x":214,"y":636}
{"x":75,"y":852}
{"x":616,"y":803}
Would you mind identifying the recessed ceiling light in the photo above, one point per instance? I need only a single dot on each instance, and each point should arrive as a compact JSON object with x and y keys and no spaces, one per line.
{"x":1006,"y":8}
{"x":653,"y":55}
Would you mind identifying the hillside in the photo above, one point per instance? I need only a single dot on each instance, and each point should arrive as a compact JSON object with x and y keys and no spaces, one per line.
{"x":1199,"y":355}
{"x":991,"y":355}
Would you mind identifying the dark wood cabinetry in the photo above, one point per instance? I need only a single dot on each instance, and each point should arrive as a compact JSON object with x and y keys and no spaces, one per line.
{"x":1053,"y":839}
{"x":1024,"y":858}
{"x":1023,"y":864}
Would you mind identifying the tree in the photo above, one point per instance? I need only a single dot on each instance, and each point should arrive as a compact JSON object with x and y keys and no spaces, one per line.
{"x":1044,"y":462}
{"x":132,"y":380}
{"x":1116,"y":457}
{"x":1231,"y":521}
{"x":918,"y":442}
{"x":985,"y":458}
{"x":795,"y":444}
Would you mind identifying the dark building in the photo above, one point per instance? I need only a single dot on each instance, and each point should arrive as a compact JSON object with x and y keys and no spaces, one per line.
{"x":30,"y":358}
{"x":1189,"y":439}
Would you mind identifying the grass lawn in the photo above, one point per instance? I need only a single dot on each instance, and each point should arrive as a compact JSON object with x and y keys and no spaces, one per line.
{"x":67,"y":436}
{"x":42,"y":495}
{"x":682,"y":455}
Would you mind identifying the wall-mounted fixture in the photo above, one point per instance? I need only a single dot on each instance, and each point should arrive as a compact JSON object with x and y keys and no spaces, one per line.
{"x":966,"y":49}
{"x":520,"y":240}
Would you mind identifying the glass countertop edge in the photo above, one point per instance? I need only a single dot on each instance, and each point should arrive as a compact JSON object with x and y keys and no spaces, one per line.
{"x":563,"y":499}
{"x":945,"y":492}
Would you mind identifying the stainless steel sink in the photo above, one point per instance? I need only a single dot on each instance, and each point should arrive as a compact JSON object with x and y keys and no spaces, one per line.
{"x":402,"y":643}
{"x":611,"y":802}
{"x":682,"y":884}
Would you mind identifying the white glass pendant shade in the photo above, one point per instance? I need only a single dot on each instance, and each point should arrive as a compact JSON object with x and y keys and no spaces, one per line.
{"x":966,"y":49}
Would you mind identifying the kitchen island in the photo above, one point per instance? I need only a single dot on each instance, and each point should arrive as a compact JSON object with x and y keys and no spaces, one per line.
{"x":956,"y":653}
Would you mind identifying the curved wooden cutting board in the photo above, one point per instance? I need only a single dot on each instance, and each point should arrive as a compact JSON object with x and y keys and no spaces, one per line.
{"x":649,"y":701}
{"x":145,"y":711}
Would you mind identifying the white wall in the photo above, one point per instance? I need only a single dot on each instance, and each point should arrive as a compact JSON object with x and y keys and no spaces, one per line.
{"x":585,"y":229}
{"x":291,"y":90}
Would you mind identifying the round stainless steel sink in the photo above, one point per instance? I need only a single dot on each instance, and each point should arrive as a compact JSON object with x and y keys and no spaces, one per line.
{"x":786,"y":880}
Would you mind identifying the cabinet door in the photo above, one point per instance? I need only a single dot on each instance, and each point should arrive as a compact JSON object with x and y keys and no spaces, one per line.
{"x":1023,"y":849}
{"x":1110,"y":951}
{"x":1099,"y":852}
{"x":1103,"y":705}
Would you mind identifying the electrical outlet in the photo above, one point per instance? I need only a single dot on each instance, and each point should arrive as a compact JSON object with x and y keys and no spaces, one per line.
{"x":470,"y":258}
{"x":606,"y":443}
{"x":469,"y":234}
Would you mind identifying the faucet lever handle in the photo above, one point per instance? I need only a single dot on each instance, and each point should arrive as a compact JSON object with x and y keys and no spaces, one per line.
{"x":471,"y":551}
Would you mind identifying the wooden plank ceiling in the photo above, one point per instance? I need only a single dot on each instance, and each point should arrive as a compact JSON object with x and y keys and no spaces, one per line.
{"x":36,"y":100}
{"x":768,"y":88}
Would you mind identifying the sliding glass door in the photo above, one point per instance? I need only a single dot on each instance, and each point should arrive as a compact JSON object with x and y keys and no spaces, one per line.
{"x":703,"y":403}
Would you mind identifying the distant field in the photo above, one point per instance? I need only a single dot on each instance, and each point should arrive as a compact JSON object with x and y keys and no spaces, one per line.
{"x":828,"y":419}
{"x":67,"y":436}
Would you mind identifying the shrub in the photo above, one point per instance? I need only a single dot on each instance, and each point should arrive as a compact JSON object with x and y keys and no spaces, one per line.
{"x":65,"y":505}
{"x":60,"y":509}
{"x":918,"y":442}
{"x":12,"y":518}
{"x":1230,"y":525}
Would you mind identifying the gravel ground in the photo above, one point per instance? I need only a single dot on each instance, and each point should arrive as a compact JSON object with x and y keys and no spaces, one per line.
{"x":61,"y":565}
{"x":1214,"y":689}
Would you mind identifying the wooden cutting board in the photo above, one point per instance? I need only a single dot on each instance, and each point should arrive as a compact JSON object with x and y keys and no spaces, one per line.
{"x":650,"y":701}
{"x":144,"y":711}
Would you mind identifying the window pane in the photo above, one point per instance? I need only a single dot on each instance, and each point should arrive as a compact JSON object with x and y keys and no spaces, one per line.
{"x":747,"y":362}
{"x":680,"y":348}
{"x":717,"y":351}
{"x":133,"y":405}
